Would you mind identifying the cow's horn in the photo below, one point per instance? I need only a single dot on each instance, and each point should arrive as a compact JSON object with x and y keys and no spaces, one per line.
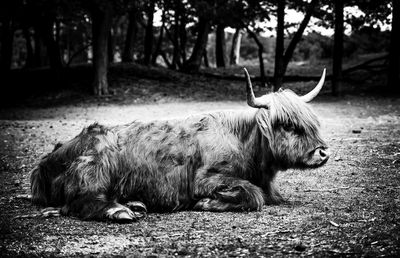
{"x":312,"y":94}
{"x":252,"y":101}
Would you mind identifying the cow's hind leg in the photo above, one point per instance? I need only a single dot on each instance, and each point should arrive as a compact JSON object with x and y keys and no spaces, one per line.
{"x":91,"y":193}
{"x":98,"y":207}
{"x":218,"y":192}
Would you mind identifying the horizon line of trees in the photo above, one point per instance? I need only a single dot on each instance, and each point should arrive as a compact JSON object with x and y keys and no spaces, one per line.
{"x":59,"y":32}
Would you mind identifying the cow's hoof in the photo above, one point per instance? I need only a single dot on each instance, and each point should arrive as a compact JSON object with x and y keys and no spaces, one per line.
{"x":122,"y":217}
{"x":138,"y":208}
{"x":120,"y":214}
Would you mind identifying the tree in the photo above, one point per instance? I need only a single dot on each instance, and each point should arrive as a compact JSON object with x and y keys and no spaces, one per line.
{"x":248,"y":15}
{"x":134,"y":16}
{"x":149,"y":37}
{"x":253,"y":35}
{"x":394,"y":52}
{"x":205,"y":13}
{"x":194,"y":62}
{"x":158,"y":50}
{"x":220,"y":46}
{"x":337,"y":48}
{"x":7,"y":34}
{"x":44,"y":20}
{"x":180,"y":35}
{"x":235,"y":49}
{"x":101,"y":24}
{"x":279,"y":47}
{"x":282,"y":60}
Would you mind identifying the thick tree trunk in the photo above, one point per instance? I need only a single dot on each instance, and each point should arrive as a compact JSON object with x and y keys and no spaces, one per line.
{"x":194,"y":62}
{"x":220,"y":46}
{"x":279,"y":48}
{"x":148,"y":40}
{"x":253,"y":35}
{"x":101,"y":22}
{"x":394,"y":51}
{"x":7,"y":33}
{"x":337,"y":48}
{"x":131,"y":35}
{"x":235,"y":50}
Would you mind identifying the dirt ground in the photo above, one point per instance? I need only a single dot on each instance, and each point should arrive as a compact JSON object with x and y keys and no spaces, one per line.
{"x":349,"y":207}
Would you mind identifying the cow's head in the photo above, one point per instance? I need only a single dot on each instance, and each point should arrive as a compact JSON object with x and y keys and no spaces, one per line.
{"x":290,"y":126}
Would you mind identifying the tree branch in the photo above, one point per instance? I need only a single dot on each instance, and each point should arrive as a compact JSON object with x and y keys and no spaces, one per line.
{"x":299,"y":33}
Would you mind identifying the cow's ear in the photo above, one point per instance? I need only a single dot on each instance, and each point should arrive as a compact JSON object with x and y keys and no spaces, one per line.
{"x":264,"y":122}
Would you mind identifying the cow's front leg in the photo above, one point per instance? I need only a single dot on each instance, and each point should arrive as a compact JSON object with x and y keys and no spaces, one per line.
{"x":218,"y":192}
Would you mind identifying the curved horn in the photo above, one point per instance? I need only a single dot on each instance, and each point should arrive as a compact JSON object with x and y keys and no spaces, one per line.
{"x":312,"y":94}
{"x":252,"y":101}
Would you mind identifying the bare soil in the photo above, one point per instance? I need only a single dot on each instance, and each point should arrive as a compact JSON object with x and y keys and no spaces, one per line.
{"x":349,"y":207}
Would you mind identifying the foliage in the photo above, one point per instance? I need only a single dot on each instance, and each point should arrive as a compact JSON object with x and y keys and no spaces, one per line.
{"x":74,"y":31}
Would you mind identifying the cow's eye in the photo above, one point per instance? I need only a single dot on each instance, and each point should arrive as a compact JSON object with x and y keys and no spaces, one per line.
{"x":288,"y":127}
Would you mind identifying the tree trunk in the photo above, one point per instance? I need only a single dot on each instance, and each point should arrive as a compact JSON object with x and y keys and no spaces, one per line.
{"x":183,"y":36}
{"x":7,"y":34}
{"x":148,"y":40}
{"x":220,"y":46}
{"x":45,"y":28}
{"x":337,"y":48}
{"x":39,"y":54}
{"x":235,"y":50}
{"x":30,"y":61}
{"x":253,"y":35}
{"x":101,"y":22}
{"x":205,"y":59}
{"x":157,"y":50}
{"x":177,"y":51}
{"x":297,"y":36}
{"x":394,"y":52}
{"x":279,"y":68}
{"x":282,"y":58}
{"x":57,"y":36}
{"x":194,"y":62}
{"x":131,"y":35}
{"x":110,"y":47}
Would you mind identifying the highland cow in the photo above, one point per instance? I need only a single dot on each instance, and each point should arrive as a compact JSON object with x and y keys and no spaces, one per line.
{"x":222,"y":161}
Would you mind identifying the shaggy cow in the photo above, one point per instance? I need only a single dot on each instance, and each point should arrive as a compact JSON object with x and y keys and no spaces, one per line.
{"x":223,"y":161}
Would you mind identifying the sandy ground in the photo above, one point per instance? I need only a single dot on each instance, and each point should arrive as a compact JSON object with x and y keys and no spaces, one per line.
{"x":351,"y":206}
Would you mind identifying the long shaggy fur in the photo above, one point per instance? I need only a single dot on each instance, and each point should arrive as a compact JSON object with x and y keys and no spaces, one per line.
{"x":218,"y":162}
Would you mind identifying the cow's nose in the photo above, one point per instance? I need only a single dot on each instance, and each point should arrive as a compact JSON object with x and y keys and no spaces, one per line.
{"x":324,"y":154}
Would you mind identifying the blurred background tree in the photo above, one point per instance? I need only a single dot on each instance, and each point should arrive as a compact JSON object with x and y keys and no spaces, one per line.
{"x":192,"y":36}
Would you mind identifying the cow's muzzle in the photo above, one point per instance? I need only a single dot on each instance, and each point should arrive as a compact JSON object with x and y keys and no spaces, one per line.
{"x":318,"y":157}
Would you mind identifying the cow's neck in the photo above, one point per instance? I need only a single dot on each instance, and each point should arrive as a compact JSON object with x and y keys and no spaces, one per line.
{"x":257,"y":147}
{"x":242,"y":124}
